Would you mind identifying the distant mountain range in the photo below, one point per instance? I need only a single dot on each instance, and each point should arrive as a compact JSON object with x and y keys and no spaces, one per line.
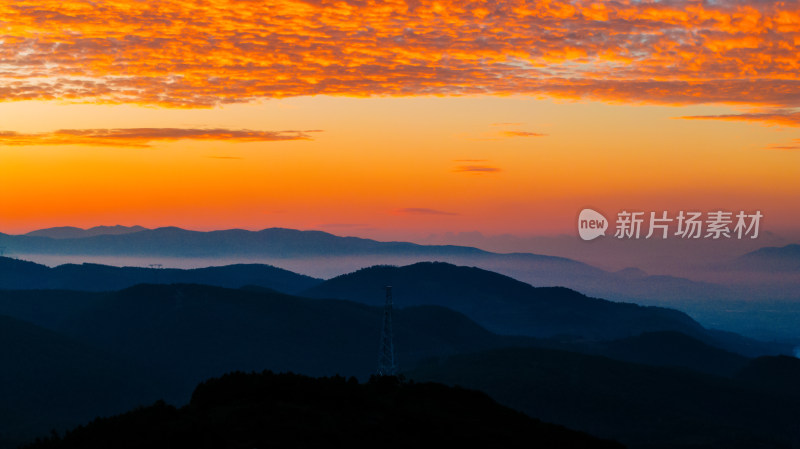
{"x":177,"y":242}
{"x":284,"y":247}
{"x":71,"y":232}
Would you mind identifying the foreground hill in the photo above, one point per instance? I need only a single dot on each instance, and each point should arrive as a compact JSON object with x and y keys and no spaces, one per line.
{"x":19,"y":274}
{"x":49,"y":381}
{"x":286,"y":410}
{"x":178,"y":335}
{"x":775,"y":374}
{"x":638,"y":405}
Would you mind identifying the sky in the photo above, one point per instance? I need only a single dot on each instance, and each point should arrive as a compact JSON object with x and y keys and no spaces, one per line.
{"x":395,"y":119}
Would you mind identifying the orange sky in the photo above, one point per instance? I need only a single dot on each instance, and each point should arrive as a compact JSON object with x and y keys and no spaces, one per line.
{"x":393,"y":119}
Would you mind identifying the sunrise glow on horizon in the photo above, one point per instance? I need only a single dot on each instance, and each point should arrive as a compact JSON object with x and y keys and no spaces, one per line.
{"x":395,"y":118}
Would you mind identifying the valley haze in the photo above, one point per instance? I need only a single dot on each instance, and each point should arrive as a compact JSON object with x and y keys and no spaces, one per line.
{"x":756,"y":292}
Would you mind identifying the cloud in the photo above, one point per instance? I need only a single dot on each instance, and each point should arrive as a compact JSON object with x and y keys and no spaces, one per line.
{"x":477,"y":169}
{"x":781,"y":117}
{"x":521,"y":134}
{"x":343,"y":225}
{"x":142,"y":137}
{"x":785,"y":147}
{"x":424,"y":211}
{"x":202,"y":54}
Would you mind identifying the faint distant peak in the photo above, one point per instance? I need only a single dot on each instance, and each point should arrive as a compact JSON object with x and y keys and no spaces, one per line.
{"x":792,"y":251}
{"x":769,"y":259}
{"x":631,"y":273}
{"x":71,"y":232}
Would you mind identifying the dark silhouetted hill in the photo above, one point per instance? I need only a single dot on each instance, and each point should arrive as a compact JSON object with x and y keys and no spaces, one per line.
{"x":18,"y":274}
{"x":674,"y":349}
{"x":181,"y":334}
{"x":666,"y":348}
{"x":291,"y":411}
{"x":50,"y":381}
{"x":775,"y":374}
{"x":638,"y":405}
{"x":503,"y":304}
{"x":187,"y":332}
{"x":508,"y":306}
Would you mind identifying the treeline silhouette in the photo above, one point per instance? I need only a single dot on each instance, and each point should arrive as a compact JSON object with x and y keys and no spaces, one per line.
{"x":240,"y":410}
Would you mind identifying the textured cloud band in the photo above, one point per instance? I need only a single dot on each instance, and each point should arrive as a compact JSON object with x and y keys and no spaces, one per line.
{"x":141,"y":137}
{"x":205,"y":53}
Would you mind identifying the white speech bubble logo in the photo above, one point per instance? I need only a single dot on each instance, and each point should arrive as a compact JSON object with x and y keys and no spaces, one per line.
{"x":591,"y":224}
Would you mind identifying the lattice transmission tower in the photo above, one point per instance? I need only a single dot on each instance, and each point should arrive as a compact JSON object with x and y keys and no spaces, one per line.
{"x":387,"y":363}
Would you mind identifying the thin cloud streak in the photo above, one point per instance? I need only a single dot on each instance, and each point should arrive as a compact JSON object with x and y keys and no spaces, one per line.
{"x":785,"y":147}
{"x":477,"y":169}
{"x":142,"y":137}
{"x":424,"y":211}
{"x":779,"y":117}
{"x":343,"y":225}
{"x":522,"y":134}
